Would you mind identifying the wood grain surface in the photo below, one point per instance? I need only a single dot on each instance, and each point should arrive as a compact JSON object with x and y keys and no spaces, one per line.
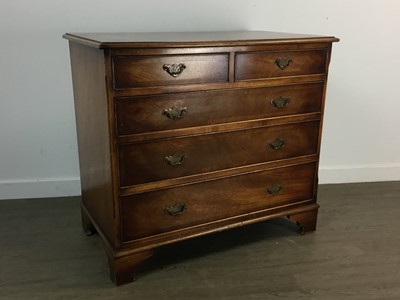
{"x":250,"y":154}
{"x":145,"y":114}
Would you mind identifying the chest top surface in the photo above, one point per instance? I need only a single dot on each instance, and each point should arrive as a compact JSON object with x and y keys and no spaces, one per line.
{"x":191,"y":39}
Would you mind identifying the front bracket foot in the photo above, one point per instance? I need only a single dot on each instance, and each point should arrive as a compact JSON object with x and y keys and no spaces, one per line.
{"x":307,"y":220}
{"x":123,"y":268}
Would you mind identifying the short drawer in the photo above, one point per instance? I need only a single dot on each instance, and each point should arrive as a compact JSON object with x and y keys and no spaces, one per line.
{"x":157,"y":212}
{"x":145,"y":71}
{"x":263,"y":65}
{"x":176,"y":157}
{"x":167,"y":112}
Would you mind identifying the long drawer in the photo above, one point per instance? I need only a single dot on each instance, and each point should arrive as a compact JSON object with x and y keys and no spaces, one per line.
{"x":144,"y":71}
{"x":153,"y":213}
{"x":269,"y":64}
{"x":176,"y":157}
{"x":167,"y":112}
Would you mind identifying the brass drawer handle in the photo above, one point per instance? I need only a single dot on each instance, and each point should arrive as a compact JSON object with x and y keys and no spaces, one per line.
{"x":283,"y":62}
{"x":280,"y":102}
{"x":175,"y":69}
{"x":176,"y":209}
{"x":275,"y":189}
{"x":175,"y":159}
{"x":277,"y":144}
{"x":174,"y":112}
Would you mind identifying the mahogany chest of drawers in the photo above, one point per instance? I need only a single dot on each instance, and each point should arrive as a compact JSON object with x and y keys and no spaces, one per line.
{"x":185,"y":134}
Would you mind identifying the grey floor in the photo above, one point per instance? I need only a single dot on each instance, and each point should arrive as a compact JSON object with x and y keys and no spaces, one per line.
{"x":354,"y":254}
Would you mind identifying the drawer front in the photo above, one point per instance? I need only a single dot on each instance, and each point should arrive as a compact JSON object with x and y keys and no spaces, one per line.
{"x":262,"y":65}
{"x":177,"y":157}
{"x":168,"y":112}
{"x":145,"y":71}
{"x":153,"y":213}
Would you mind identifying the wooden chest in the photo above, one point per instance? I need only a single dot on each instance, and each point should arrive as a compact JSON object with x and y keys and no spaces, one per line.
{"x":185,"y":134}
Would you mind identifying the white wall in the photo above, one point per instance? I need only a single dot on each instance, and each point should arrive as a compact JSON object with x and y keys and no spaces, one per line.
{"x":38,"y":151}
